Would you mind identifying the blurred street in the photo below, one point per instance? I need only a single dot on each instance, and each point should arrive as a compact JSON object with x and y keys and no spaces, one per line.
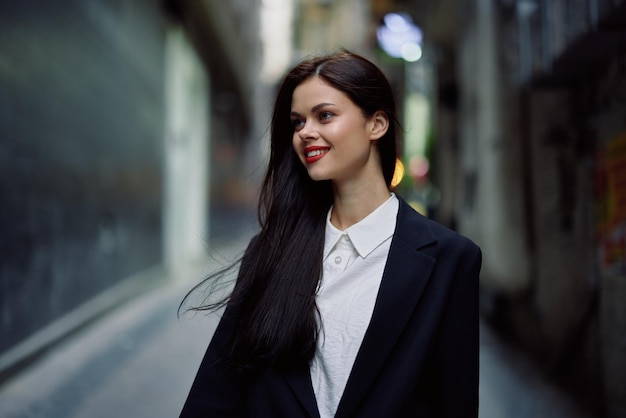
{"x":135,"y":134}
{"x":140,"y":360}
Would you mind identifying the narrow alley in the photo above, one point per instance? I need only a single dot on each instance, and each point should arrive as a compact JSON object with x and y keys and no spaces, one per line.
{"x":136,"y":137}
{"x":140,"y":360}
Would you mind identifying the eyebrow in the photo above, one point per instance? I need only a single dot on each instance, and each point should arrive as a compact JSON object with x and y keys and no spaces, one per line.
{"x":314,"y":108}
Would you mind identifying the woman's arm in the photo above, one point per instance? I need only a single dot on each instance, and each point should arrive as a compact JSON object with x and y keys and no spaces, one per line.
{"x":457,"y":354}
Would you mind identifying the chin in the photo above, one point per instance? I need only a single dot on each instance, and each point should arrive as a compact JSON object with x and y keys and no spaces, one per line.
{"x":318,"y":176}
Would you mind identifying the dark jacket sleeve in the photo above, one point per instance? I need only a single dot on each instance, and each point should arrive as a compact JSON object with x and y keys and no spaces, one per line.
{"x":217,"y":390}
{"x":457,"y":353}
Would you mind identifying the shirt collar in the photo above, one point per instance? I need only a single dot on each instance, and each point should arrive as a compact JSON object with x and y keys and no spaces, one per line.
{"x":367,"y":234}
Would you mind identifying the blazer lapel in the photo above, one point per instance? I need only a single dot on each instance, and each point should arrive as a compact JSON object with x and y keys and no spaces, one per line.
{"x":301,"y":386}
{"x":405,"y":276}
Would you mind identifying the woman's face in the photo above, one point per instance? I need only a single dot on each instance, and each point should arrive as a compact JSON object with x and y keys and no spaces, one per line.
{"x":332,"y":137}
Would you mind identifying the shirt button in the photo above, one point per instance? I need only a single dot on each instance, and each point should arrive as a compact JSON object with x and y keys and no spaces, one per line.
{"x":337,"y":260}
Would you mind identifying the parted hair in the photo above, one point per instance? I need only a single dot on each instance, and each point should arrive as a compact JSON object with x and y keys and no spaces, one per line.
{"x":273,"y":302}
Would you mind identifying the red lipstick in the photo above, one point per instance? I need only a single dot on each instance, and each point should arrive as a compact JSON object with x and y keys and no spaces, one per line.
{"x":313,"y":154}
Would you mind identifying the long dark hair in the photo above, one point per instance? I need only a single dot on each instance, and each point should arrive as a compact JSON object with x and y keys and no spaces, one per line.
{"x":273,"y":302}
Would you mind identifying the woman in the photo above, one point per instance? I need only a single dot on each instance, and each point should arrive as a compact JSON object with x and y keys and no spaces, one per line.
{"x":348,"y":303}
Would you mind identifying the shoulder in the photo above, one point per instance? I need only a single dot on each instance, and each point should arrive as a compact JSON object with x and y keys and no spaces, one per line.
{"x":415,"y":227}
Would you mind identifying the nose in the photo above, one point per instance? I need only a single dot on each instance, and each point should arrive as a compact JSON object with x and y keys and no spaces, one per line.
{"x":308,"y":132}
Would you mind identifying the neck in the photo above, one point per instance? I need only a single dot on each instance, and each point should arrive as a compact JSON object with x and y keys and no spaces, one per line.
{"x":352,"y":203}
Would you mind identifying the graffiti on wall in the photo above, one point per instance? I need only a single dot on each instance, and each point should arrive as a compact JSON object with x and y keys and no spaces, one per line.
{"x":610,"y":188}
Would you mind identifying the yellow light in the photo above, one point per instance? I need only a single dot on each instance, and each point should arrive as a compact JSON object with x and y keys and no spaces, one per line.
{"x":398,"y":174}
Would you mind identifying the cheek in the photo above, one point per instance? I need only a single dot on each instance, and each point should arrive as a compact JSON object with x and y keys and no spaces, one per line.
{"x":294,"y":142}
{"x":296,"y":147}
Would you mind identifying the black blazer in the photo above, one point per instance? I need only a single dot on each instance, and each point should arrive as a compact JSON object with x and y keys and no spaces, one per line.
{"x":419,"y":356}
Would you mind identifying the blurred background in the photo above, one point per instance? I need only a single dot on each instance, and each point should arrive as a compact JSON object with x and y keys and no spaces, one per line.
{"x":134,"y":133}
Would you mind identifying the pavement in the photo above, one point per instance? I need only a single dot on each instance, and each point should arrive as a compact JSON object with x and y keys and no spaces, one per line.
{"x":140,"y":360}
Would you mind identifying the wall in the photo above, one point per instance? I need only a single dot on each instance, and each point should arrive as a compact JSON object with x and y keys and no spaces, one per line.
{"x":541,"y":117}
{"x":124,"y":126}
{"x":602,"y":99}
{"x":81,"y":149}
{"x":531,"y":157}
{"x":226,"y":36}
{"x":491,"y":207}
{"x":187,"y":158}
{"x":324,"y":26}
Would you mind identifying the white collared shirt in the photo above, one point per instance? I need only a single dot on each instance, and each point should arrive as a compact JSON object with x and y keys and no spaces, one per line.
{"x":353,"y":266}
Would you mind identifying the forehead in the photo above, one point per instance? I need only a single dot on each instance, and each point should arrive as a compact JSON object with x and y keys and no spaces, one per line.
{"x":314,"y":91}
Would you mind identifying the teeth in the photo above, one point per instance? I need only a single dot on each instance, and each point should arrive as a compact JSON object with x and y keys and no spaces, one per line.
{"x":315,"y":153}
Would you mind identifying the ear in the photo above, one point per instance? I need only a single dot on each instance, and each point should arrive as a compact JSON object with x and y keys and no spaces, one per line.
{"x":379,"y":123}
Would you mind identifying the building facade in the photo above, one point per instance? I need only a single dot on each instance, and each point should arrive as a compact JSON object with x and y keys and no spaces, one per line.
{"x":119,"y":122}
{"x":530,"y":127}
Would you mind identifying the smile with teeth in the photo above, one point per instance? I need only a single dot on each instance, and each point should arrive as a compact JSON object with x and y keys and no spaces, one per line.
{"x":313,"y":154}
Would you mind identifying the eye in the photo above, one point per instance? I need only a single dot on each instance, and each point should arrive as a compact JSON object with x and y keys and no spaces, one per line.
{"x":297,"y":124}
{"x":324,"y":116}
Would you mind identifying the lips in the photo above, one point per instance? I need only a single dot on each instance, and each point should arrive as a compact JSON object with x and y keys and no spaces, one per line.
{"x":313,"y":154}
